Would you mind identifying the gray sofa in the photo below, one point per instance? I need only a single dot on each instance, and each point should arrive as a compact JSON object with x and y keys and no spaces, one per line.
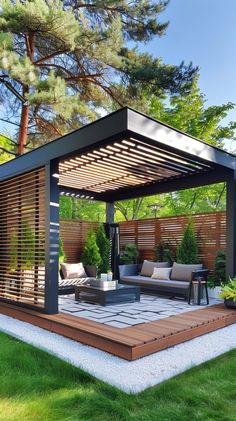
{"x":178,"y":284}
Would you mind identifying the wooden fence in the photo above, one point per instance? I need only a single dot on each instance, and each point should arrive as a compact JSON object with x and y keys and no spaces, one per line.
{"x":73,"y":234}
{"x":210,"y":230}
{"x":147,"y":233}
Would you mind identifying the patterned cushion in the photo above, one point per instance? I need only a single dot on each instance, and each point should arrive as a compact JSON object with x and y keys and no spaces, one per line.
{"x":181,"y":272}
{"x":73,"y":281}
{"x":161,"y":273}
{"x":148,"y":267}
{"x":73,"y":270}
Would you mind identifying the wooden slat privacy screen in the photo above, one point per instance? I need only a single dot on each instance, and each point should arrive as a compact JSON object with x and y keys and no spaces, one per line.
{"x":210,"y":230}
{"x":22,"y":238}
{"x":73,"y":234}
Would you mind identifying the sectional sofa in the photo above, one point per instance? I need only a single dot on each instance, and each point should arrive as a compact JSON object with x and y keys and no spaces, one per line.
{"x":176,"y":280}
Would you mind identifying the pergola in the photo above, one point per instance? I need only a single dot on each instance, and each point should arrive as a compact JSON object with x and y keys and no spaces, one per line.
{"x":123,"y":155}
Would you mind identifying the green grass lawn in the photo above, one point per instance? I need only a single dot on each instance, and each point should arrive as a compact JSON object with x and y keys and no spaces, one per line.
{"x":36,"y":386}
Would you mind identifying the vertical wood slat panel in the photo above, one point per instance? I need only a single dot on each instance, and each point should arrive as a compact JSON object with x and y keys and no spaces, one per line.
{"x":22,"y":238}
{"x":210,"y":230}
{"x":73,"y":234}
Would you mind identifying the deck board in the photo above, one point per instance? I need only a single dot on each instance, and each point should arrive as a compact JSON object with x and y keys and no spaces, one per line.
{"x":132,"y":342}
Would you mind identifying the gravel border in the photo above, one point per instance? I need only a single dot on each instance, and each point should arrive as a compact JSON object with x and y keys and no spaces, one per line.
{"x":128,"y":376}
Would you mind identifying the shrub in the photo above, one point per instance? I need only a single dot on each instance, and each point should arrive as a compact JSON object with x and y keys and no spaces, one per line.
{"x":129,"y":255}
{"x":164,"y":253}
{"x":219,"y":272}
{"x":104,"y":248}
{"x":228,"y":291}
{"x":61,"y":253}
{"x":91,"y":254}
{"x":187,"y":251}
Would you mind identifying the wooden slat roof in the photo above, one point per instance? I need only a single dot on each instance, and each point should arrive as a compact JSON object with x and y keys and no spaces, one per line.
{"x":126,"y":154}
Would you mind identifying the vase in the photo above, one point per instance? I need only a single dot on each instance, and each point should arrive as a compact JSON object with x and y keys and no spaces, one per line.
{"x":230,"y":303}
{"x":109,"y":276}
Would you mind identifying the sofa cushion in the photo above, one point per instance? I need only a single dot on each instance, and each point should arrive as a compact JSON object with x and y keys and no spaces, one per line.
{"x":73,"y":270}
{"x":145,"y":281}
{"x":182,"y":272}
{"x":148,"y":267}
{"x":161,"y":273}
{"x":73,"y":281}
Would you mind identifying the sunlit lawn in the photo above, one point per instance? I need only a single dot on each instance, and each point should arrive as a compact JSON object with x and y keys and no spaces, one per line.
{"x":36,"y":386}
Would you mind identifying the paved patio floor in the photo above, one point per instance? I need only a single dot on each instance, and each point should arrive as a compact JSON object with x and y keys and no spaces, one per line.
{"x":150,"y":308}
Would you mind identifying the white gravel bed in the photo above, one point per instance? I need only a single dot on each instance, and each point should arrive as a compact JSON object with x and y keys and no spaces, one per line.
{"x":130,"y":377}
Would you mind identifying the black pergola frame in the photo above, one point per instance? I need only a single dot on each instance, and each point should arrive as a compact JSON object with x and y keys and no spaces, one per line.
{"x":217,"y":166}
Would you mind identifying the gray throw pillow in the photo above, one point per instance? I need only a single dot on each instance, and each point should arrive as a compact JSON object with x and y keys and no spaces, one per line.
{"x":148,"y":267}
{"x":182,"y":272}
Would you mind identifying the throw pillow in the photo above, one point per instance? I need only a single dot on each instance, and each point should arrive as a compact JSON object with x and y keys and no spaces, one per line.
{"x":148,"y":267}
{"x":73,"y":270}
{"x":182,"y":272}
{"x":162,"y":273}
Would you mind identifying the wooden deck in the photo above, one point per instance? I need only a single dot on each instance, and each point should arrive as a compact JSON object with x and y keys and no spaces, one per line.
{"x":132,"y":342}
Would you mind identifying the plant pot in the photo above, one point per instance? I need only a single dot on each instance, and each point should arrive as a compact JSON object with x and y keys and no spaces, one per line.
{"x":214,"y":292}
{"x":230,"y":303}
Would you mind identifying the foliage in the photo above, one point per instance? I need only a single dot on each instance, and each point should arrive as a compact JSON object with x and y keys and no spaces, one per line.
{"x":22,"y":247}
{"x":187,"y":112}
{"x":81,"y":209}
{"x":129,"y":255}
{"x":187,"y":251}
{"x":7,"y":148}
{"x":64,"y":57}
{"x":164,"y":253}
{"x":104,"y":248}
{"x":219,"y":272}
{"x":35,"y":385}
{"x":91,"y":254}
{"x":228,"y":291}
{"x":61,"y":254}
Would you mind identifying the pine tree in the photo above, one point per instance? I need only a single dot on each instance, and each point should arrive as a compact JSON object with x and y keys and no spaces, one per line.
{"x":187,"y":252}
{"x":62,"y":57}
{"x":104,"y":248}
{"x":91,"y":254}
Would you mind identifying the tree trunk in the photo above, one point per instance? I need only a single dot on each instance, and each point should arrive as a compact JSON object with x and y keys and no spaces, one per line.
{"x":24,"y":121}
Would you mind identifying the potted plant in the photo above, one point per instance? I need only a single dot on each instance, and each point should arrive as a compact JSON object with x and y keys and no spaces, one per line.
{"x":91,"y":257}
{"x":129,"y":255}
{"x":109,"y":275}
{"x":228,"y":292}
{"x":218,"y":278}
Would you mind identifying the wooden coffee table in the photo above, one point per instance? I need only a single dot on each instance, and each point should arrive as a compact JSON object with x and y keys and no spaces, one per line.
{"x":121,"y":294}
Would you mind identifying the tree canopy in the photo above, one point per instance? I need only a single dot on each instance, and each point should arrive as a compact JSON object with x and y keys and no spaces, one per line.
{"x":66,"y":59}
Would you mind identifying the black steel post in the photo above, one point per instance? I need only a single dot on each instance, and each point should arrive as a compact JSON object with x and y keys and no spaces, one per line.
{"x":51,"y":238}
{"x":231,"y":226}
{"x":113,"y":230}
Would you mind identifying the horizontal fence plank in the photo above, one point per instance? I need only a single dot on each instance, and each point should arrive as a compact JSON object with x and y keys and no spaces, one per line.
{"x":210,"y":229}
{"x":73,"y":234}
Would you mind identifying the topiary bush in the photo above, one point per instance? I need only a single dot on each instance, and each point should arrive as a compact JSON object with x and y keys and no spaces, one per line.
{"x":129,"y":255}
{"x":187,"y":251}
{"x":91,"y":254}
{"x":164,"y":253}
{"x":104,"y":248}
{"x":219,"y":272}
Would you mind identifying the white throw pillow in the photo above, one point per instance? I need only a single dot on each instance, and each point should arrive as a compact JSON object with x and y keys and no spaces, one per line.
{"x":73,"y":270}
{"x":161,"y":273}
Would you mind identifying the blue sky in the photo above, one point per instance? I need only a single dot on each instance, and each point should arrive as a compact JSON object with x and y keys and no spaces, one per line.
{"x":204,"y":32}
